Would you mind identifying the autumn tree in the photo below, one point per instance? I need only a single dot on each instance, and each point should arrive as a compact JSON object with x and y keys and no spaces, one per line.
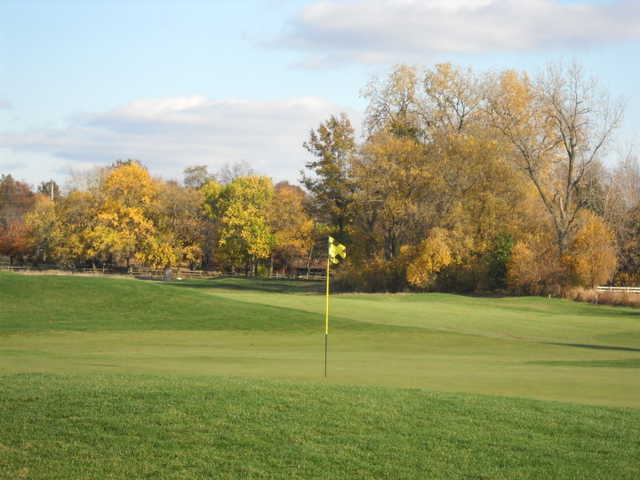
{"x":16,"y":199}
{"x":180,"y":221}
{"x":240,"y":210}
{"x":444,"y":169}
{"x":621,"y":211}
{"x":452,"y":98}
{"x":433,"y":255}
{"x":396,"y":104}
{"x":51,"y":189}
{"x":60,"y":230}
{"x":41,"y":223}
{"x":14,"y":240}
{"x":390,"y":178}
{"x":329,"y":179}
{"x":532,"y":267}
{"x":125,"y":230}
{"x":593,"y":251}
{"x":559,"y":126}
{"x":293,"y":229}
{"x":629,"y":248}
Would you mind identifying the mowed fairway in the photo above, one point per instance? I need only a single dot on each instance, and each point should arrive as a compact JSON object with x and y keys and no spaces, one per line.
{"x":117,"y":378}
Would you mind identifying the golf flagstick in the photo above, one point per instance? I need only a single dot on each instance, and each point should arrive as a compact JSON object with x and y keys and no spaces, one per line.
{"x":326,"y":313}
{"x":335,"y":250}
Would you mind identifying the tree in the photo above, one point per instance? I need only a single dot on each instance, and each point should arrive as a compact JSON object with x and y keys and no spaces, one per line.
{"x":498,"y":260}
{"x":593,"y":251}
{"x":50,"y":189}
{"x":534,"y":266}
{"x":621,"y":199}
{"x":180,"y":220}
{"x":293,"y":229}
{"x":333,"y":146}
{"x":434,"y":254}
{"x":124,"y":230}
{"x":60,"y":230}
{"x":390,"y":179}
{"x":14,"y":240}
{"x":230,"y":171}
{"x":395,"y":104}
{"x":629,"y":247}
{"x":41,"y":223}
{"x":196,"y":176}
{"x":240,"y":210}
{"x":16,"y":199}
{"x":431,"y":160}
{"x":453,"y":98}
{"x":559,"y":126}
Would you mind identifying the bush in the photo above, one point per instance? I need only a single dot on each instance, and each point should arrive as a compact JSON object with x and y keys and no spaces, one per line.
{"x":589,"y":295}
{"x":376,"y":276}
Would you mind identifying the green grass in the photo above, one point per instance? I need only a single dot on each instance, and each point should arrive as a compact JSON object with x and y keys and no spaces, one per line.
{"x":65,"y":303}
{"x":116,"y":378}
{"x":62,"y":427}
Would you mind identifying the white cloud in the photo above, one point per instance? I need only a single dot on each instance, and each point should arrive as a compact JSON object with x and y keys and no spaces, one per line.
{"x":390,"y":31}
{"x":169,"y":134}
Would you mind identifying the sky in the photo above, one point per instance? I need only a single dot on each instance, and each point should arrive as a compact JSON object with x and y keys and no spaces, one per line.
{"x":203,"y":82}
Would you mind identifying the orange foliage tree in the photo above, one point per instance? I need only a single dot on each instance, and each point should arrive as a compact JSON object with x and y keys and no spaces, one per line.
{"x":593,"y":251}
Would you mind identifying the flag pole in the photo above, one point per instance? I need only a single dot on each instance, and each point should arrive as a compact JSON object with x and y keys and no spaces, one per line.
{"x":326,"y":317}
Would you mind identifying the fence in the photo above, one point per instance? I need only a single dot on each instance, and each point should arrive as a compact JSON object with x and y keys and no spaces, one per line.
{"x":135,"y":272}
{"x":150,"y":274}
{"x":173,"y":274}
{"x":619,"y":289}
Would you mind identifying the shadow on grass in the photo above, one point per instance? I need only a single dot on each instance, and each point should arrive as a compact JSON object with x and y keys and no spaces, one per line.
{"x":625,"y":363}
{"x":596,"y":347}
{"x":255,"y":285}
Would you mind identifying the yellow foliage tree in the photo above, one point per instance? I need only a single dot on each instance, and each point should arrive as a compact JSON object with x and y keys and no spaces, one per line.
{"x":433,"y":255}
{"x":41,"y":223}
{"x":240,"y":210}
{"x":534,"y":264}
{"x":180,"y":219}
{"x":593,"y":252}
{"x":124,"y":229}
{"x":293,"y":229}
{"x":62,"y":228}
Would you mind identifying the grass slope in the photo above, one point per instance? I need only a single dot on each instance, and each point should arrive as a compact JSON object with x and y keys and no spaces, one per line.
{"x":528,"y":318}
{"x":71,"y":427}
{"x":273,"y":329}
{"x":67,"y":303}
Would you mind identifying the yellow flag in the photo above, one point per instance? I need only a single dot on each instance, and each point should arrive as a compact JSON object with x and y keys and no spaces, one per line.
{"x":336,"y":250}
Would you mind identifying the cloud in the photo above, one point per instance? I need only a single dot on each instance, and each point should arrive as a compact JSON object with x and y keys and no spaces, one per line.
{"x":168,"y":134}
{"x":5,"y":104}
{"x":390,"y":31}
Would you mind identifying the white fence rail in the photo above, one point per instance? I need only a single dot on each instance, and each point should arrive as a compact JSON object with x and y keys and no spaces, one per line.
{"x":619,"y":289}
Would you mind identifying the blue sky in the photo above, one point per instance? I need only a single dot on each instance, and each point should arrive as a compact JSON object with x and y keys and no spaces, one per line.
{"x":85,"y":82}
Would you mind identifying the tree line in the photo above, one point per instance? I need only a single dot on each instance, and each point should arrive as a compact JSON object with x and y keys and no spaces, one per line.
{"x":120,"y":216}
{"x":460,"y":181}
